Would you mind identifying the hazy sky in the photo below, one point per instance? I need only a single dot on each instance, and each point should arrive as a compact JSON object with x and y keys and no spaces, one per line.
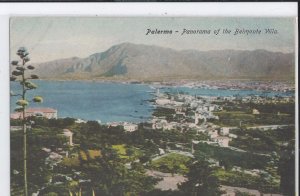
{"x":49,"y":38}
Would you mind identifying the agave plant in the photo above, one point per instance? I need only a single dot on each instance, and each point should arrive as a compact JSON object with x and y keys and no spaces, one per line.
{"x":20,"y":74}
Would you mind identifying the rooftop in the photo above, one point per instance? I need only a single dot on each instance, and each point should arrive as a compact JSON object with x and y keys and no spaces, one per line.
{"x":44,"y":110}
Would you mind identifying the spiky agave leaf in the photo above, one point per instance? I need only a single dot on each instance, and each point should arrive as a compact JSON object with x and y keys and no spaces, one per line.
{"x":26,"y":59}
{"x":33,"y":76}
{"x":15,"y":63}
{"x":30,"y":67}
{"x":26,"y":53}
{"x":13,"y":78}
{"x":22,"y":102}
{"x":19,"y":109}
{"x":38,"y":99}
{"x":30,"y":85}
{"x":22,"y":50}
{"x":20,"y":68}
{"x":16,"y":73}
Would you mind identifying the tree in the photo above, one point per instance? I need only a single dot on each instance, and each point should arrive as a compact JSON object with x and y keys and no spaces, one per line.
{"x":107,"y":175}
{"x":21,"y":74}
{"x":286,"y":170}
{"x":201,"y":180}
{"x":226,"y":164}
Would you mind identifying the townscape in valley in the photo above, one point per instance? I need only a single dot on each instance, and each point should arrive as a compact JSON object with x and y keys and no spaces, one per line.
{"x":244,"y":140}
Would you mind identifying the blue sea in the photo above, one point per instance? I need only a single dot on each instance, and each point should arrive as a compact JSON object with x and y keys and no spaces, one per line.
{"x":110,"y":101}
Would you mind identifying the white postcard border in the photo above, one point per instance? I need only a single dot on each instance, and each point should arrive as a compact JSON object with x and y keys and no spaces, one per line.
{"x":120,"y":9}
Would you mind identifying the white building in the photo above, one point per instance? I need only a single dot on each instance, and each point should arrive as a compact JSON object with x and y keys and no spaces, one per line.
{"x":158,"y":123}
{"x":211,"y":108}
{"x":162,"y":101}
{"x":80,"y":121}
{"x":161,"y":151}
{"x":232,"y":135}
{"x":200,"y":116}
{"x":69,"y":135}
{"x":130,"y":127}
{"x":169,"y":126}
{"x":226,"y":130}
{"x":213,"y":134}
{"x":114,"y":124}
{"x":222,"y":141}
{"x":194,"y":104}
{"x":200,"y":130}
{"x":268,"y":127}
{"x":255,"y":111}
{"x":229,"y":98}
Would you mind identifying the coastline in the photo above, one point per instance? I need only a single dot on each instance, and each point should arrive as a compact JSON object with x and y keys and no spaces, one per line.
{"x":229,"y":84}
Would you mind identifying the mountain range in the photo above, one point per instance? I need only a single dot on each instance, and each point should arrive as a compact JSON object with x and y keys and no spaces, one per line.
{"x":149,"y":62}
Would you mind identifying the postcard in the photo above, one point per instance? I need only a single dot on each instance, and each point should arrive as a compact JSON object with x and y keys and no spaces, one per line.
{"x":152,"y":106}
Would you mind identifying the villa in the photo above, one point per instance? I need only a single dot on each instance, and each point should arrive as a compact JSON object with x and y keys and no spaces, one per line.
{"x":130,"y":127}
{"x":48,"y":113}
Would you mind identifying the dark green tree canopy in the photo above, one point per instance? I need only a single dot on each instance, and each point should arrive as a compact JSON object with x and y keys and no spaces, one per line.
{"x":201,"y":180}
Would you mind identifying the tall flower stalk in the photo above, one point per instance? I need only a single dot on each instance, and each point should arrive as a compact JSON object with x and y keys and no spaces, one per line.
{"x":21,"y":74}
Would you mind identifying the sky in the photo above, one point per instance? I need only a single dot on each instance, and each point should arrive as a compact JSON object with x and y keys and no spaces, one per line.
{"x":50,"y":38}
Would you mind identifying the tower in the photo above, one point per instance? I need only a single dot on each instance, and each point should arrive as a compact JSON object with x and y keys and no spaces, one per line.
{"x":196,"y":119}
{"x":193,"y":151}
{"x":69,"y":135}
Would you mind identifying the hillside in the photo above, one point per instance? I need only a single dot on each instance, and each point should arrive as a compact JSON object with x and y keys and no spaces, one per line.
{"x":147,"y":62}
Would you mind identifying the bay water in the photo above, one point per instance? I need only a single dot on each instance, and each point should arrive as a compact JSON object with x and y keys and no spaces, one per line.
{"x":110,"y":101}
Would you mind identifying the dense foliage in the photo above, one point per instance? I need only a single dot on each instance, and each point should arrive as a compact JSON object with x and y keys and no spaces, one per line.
{"x":106,"y":160}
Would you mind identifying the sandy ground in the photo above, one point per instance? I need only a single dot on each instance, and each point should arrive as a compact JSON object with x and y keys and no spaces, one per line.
{"x":168,"y":182}
{"x":230,"y":191}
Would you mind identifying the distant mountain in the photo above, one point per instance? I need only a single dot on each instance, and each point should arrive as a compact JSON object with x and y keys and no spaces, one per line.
{"x":145,"y":62}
